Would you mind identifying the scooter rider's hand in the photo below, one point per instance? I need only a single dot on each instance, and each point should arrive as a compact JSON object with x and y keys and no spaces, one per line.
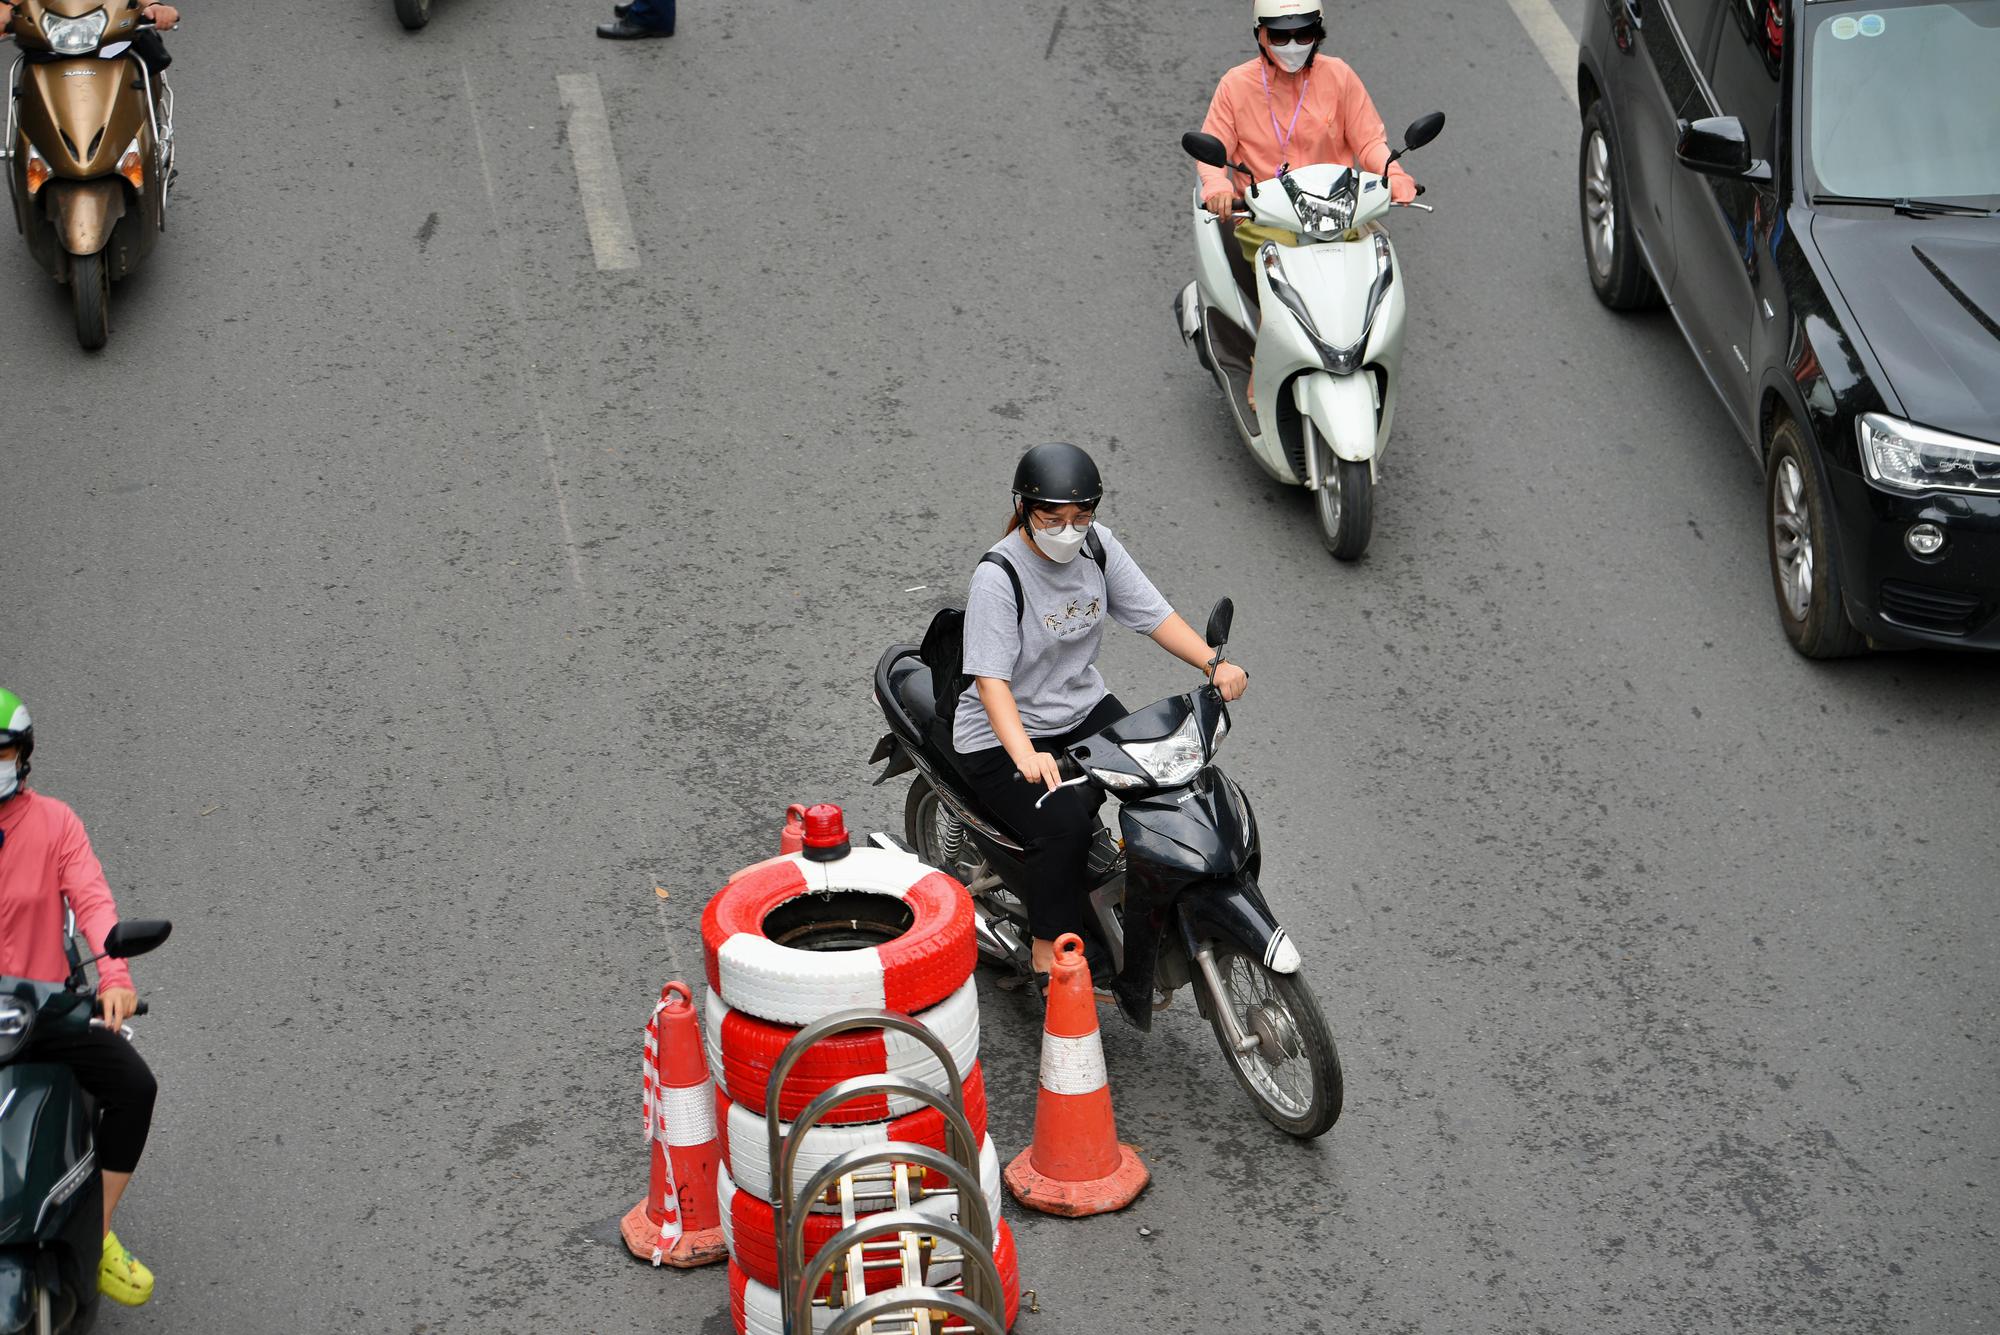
{"x":1230,"y":681}
{"x":1222,"y":203}
{"x":1402,"y":189}
{"x":118,"y":1004}
{"x":6,"y":17}
{"x":163,"y":17}
{"x":1040,"y":767}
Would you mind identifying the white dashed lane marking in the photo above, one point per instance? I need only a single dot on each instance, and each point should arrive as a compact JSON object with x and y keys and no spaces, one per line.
{"x":597,"y":179}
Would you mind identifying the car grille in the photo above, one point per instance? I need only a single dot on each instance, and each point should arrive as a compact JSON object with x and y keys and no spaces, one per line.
{"x":1929,"y":609}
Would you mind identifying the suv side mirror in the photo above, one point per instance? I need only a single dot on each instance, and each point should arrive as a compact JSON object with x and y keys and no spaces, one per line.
{"x":1205,"y":148}
{"x":1714,"y":146}
{"x":136,"y":936}
{"x":1218,"y":623}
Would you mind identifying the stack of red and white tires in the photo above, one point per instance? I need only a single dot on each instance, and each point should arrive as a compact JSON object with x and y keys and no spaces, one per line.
{"x":794,"y":940}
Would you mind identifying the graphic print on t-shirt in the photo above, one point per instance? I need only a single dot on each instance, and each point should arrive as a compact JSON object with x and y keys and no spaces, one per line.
{"x":1075,"y":619}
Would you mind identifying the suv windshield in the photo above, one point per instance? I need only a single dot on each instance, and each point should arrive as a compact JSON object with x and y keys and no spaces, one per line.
{"x":1902,"y":100}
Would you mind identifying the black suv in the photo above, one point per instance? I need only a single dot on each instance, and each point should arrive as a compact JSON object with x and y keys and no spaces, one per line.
{"x":1812,"y":187}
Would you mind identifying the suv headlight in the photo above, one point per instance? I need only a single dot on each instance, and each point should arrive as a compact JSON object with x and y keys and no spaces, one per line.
{"x":17,"y":1017}
{"x":1902,"y":456}
{"x":1174,"y":759}
{"x":74,"y":37}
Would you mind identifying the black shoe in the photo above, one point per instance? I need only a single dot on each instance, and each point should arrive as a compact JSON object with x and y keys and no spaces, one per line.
{"x":621,"y":11}
{"x":622,"y":29}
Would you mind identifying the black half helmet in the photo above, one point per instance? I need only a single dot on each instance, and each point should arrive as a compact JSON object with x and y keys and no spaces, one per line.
{"x":1058,"y":473}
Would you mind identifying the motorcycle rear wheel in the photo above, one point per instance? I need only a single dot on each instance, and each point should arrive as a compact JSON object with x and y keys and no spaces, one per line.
{"x":1293,"y":1075}
{"x":925,"y":820}
{"x":413,"y":14}
{"x":90,"y":297}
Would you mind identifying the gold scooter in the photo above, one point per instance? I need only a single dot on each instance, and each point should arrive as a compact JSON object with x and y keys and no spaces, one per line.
{"x":89,"y":148}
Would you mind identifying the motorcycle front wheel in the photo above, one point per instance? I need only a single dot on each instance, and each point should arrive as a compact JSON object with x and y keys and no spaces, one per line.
{"x":90,"y":296}
{"x":1292,"y":1073}
{"x":413,"y":13}
{"x":1346,"y":502}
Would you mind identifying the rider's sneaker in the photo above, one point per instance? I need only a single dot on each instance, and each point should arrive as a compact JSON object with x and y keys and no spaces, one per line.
{"x":120,"y":1276}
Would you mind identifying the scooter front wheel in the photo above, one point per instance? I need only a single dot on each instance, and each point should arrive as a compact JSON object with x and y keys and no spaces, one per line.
{"x":1292,"y":1069}
{"x":90,"y":297}
{"x":413,"y":13}
{"x":1346,"y":505}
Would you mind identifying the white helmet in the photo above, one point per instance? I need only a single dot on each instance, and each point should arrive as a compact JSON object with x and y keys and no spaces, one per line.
{"x":1286,"y":15}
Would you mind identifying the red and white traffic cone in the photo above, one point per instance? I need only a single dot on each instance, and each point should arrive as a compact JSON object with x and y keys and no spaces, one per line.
{"x":679,"y":1223}
{"x":1076,"y":1165}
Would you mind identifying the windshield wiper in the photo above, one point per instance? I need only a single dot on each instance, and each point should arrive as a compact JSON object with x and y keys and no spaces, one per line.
{"x":1909,"y":208}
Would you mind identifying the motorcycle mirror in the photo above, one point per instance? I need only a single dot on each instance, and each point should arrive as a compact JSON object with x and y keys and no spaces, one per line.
{"x":136,"y":937}
{"x":1205,"y":148}
{"x":1422,"y":130}
{"x":1218,"y":623}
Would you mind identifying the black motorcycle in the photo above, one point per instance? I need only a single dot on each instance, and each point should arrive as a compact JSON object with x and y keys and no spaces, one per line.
{"x":51,"y":1194}
{"x":1174,"y":894}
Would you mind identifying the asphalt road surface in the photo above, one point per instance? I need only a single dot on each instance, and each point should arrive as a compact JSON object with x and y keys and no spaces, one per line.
{"x":402,"y":598}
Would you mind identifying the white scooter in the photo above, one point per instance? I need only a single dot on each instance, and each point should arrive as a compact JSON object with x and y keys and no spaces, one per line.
{"x":1316,"y":327}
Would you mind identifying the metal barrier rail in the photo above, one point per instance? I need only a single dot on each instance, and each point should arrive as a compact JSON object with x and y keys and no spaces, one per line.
{"x":901,"y":1238}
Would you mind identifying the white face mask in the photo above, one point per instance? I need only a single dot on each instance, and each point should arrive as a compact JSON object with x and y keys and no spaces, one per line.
{"x":1292,"y":56}
{"x":10,"y":778}
{"x":1059,"y":545}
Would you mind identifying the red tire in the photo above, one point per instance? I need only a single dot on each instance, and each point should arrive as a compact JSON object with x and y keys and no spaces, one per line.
{"x":755,"y":1308}
{"x":928,"y":957}
{"x":750,"y":1226}
{"x":743,"y":1051}
{"x":746,"y":1138}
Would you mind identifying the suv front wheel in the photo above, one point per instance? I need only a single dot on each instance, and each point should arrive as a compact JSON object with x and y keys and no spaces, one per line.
{"x":1797,"y":523}
{"x":1617,"y":274}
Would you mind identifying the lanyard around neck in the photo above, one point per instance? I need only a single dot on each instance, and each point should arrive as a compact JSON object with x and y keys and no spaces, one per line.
{"x":1284,"y":135}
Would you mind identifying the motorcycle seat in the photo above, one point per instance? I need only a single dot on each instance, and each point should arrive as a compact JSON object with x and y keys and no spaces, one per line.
{"x":911,"y":681}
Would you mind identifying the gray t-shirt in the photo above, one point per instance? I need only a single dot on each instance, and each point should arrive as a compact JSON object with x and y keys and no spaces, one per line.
{"x":1048,"y":657}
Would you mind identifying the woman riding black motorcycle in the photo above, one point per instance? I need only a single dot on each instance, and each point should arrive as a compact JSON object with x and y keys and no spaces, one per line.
{"x":1036,"y":689}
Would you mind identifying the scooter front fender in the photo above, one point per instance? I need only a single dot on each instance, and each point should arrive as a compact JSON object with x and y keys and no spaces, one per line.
{"x":84,"y":212}
{"x":1342,"y":409}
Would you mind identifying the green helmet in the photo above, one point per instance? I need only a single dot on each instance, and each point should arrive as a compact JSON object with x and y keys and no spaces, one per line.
{"x":16,"y":730}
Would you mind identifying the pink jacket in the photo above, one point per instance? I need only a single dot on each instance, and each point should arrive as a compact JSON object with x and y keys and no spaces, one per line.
{"x":45,"y":858}
{"x":1337,"y":122}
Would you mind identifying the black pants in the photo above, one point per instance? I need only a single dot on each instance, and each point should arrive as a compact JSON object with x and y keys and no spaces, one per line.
{"x":1057,"y":837}
{"x":112,"y":1072}
{"x":152,"y":53}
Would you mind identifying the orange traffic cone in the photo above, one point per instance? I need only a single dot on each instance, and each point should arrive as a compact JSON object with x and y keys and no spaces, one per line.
{"x":679,"y":1223}
{"x":1076,"y":1165}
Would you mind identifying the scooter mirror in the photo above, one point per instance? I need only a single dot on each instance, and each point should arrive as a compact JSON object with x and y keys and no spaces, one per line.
{"x":1205,"y":148}
{"x":1218,"y":623}
{"x":136,"y":937}
{"x":1422,"y":130}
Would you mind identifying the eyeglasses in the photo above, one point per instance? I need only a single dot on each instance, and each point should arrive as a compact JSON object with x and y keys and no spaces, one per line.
{"x":1049,"y":523}
{"x":1296,"y":36}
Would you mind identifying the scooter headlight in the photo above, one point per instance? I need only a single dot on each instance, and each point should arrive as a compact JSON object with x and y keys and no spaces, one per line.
{"x":1174,"y":759}
{"x":17,"y":1018}
{"x":75,"y":37}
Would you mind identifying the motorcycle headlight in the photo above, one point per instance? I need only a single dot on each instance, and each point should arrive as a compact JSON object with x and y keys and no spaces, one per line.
{"x":1174,"y":759}
{"x":74,"y":37}
{"x":1902,"y":456}
{"x":17,"y":1017}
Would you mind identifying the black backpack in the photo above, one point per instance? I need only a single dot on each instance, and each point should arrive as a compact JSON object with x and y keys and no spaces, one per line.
{"x":943,"y":649}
